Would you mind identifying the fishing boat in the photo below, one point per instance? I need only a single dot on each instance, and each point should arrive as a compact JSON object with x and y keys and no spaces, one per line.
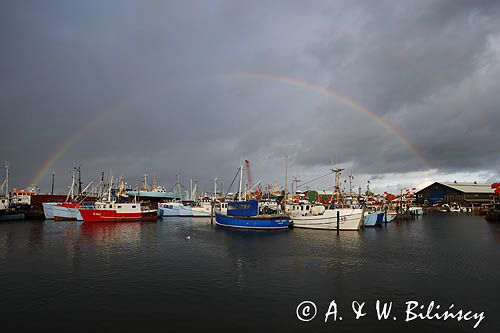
{"x":178,"y":209}
{"x":349,"y":219}
{"x":188,"y":208}
{"x":246,"y":215}
{"x":111,"y":210}
{"x":68,"y":210}
{"x":117,"y":212}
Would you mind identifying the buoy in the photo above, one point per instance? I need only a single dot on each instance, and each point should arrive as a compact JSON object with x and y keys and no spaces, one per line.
{"x":188,"y":237}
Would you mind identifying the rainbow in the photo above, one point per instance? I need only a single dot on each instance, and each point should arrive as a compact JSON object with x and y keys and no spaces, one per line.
{"x":353,"y":104}
{"x":46,"y":166}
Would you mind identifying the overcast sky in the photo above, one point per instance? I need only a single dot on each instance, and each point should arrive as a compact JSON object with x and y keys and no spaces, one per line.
{"x":153,"y":87}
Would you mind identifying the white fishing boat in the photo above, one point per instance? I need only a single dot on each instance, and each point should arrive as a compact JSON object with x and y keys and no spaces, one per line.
{"x":178,"y":209}
{"x":349,"y":219}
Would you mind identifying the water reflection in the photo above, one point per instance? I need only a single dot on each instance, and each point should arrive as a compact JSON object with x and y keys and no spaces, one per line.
{"x":109,"y":234}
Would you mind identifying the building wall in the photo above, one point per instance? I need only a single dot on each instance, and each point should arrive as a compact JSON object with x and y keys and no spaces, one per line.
{"x":433,"y":192}
{"x":439,"y":193}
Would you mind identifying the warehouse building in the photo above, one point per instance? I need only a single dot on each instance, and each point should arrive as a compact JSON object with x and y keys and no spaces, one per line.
{"x":460,"y":193}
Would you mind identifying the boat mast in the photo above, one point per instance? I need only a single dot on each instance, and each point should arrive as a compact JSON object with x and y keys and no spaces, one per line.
{"x":241,"y":181}
{"x":179,"y":188}
{"x":191,"y":189}
{"x":145,"y":186}
{"x":110,"y":186}
{"x":53,"y":178}
{"x":336,"y":191}
{"x":215,"y":188}
{"x":286,"y":180}
{"x":6,"y":179}
{"x":350,"y":183}
{"x":71,"y":191}
{"x":79,"y":180}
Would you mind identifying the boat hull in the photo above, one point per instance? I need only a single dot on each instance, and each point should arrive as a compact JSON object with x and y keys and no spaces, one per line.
{"x":374,"y":219}
{"x":48,"y":209}
{"x":67,"y":213}
{"x":262,"y":222}
{"x":350,"y":220}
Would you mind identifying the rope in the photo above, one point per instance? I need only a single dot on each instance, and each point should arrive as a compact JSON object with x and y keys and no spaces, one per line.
{"x":236,"y":175}
{"x":315,"y":179}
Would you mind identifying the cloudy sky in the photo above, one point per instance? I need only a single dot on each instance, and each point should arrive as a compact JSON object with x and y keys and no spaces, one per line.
{"x":399,"y":92}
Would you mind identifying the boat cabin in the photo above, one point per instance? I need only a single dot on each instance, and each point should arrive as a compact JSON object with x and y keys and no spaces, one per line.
{"x":243,"y":208}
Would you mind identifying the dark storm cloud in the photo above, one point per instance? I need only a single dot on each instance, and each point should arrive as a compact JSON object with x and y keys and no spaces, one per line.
{"x":158,"y":71}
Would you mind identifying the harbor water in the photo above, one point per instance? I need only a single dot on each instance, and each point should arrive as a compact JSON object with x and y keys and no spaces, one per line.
{"x":190,"y":276}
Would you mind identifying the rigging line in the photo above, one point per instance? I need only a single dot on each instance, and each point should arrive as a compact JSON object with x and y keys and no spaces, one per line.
{"x":315,"y":179}
{"x":236,"y":175}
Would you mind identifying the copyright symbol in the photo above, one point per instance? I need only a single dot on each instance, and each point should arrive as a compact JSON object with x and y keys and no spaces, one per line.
{"x":306,"y":311}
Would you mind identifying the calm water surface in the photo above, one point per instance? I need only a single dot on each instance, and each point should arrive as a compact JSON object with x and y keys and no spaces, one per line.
{"x":121,"y":277}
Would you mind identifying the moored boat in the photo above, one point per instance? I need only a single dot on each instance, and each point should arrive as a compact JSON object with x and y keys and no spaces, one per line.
{"x":349,"y":219}
{"x":117,"y":212}
{"x":246,"y":215}
{"x":178,"y":209}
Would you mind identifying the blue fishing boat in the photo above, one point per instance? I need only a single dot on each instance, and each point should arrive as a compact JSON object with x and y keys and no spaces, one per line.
{"x":245,"y":215}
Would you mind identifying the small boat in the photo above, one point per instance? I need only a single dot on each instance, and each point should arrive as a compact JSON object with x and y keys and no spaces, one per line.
{"x":416,"y":210}
{"x":373,"y":219}
{"x":246,"y":215}
{"x":117,"y":212}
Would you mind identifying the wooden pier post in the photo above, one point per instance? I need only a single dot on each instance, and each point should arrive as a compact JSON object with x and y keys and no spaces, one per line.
{"x":385,"y":217}
{"x":338,"y":221}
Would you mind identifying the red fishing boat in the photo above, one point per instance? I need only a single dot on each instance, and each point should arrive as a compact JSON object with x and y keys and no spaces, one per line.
{"x":118,"y":212}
